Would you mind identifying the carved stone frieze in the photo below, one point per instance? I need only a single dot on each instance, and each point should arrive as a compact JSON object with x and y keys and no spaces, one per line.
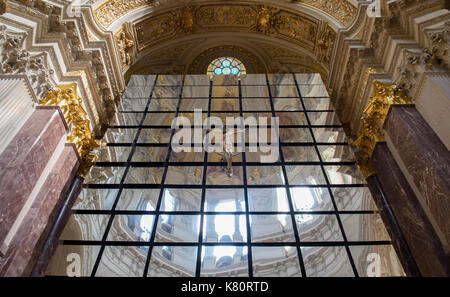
{"x":125,"y":46}
{"x":230,"y":17}
{"x":107,"y":13}
{"x":325,"y":45}
{"x":15,"y":59}
{"x":343,"y":11}
{"x":112,"y":10}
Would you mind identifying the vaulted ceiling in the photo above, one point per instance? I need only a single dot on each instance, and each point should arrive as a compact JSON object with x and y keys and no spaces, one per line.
{"x":169,"y":36}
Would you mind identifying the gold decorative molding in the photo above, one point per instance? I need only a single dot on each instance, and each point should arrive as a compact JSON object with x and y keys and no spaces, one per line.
{"x":325,"y":44}
{"x":75,"y":116}
{"x":125,"y":46}
{"x":221,"y":17}
{"x":112,"y":10}
{"x":341,"y":10}
{"x":371,"y":131}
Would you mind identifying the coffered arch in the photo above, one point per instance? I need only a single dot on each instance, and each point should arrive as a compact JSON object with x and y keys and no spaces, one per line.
{"x":269,"y":38}
{"x":109,"y":14}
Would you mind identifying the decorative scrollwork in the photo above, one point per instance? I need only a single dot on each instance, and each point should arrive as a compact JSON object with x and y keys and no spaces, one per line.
{"x":384,"y":95}
{"x":66,"y":98}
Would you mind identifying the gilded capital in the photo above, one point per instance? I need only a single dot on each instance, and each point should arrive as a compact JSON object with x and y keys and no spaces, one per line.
{"x":374,"y":115}
{"x":80,"y":134}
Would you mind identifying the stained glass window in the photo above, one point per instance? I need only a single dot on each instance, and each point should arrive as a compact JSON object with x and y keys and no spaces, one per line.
{"x":226,"y":66}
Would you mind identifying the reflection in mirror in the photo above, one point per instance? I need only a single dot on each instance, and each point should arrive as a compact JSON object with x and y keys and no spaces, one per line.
{"x":305,"y":175}
{"x":86,"y":253}
{"x":300,"y":154}
{"x":96,"y":199}
{"x":150,"y":154}
{"x":177,"y":228}
{"x":265,"y":175}
{"x":224,"y":200}
{"x":224,"y":228}
{"x":120,"y":135}
{"x":138,"y":199}
{"x":271,"y":228}
{"x":336,"y":153}
{"x":344,"y":175}
{"x":287,"y":104}
{"x":184,"y":175}
{"x":154,"y":136}
{"x":173,"y":261}
{"x":329,"y":135}
{"x":121,"y":261}
{"x":142,"y":92}
{"x":85,"y":227}
{"x":224,"y":261}
{"x":144,"y":175}
{"x":331,"y":261}
{"x":318,"y":104}
{"x":216,"y":175}
{"x":268,"y":199}
{"x":354,"y":198}
{"x":311,"y":199}
{"x":275,"y":262}
{"x":113,"y":153}
{"x":255,"y":91}
{"x":318,"y":228}
{"x":384,"y":255}
{"x":104,"y":175}
{"x":131,"y":228}
{"x":364,"y":227}
{"x":181,"y":200}
{"x":291,"y":118}
{"x":141,"y":80}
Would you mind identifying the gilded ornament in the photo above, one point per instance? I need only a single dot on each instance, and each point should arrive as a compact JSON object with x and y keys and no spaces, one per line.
{"x":384,"y":95}
{"x":125,"y":46}
{"x":264,"y":22}
{"x":66,"y":98}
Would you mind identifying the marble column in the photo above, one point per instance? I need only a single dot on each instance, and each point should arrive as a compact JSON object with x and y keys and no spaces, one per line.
{"x":420,"y":236}
{"x":425,"y":161}
{"x":391,"y":223}
{"x":36,"y":169}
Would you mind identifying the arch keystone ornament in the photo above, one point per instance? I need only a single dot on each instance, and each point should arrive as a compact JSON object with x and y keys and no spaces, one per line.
{"x":371,"y":131}
{"x":66,"y":98}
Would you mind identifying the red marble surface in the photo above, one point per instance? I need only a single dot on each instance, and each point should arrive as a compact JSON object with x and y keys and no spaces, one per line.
{"x":24,"y":160}
{"x":426,"y":158}
{"x":27,"y":243}
{"x":421,"y":238}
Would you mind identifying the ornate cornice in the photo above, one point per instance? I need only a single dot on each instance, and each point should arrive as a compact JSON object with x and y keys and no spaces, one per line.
{"x":15,"y":59}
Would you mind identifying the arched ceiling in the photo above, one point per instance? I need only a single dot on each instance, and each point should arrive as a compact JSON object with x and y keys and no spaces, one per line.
{"x":181,"y":36}
{"x":108,"y":12}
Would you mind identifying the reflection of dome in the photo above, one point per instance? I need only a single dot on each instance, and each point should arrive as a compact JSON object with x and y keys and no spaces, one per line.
{"x":224,"y":261}
{"x":226,"y":238}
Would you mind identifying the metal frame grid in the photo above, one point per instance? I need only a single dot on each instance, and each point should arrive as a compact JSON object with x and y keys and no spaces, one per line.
{"x":298,"y":243}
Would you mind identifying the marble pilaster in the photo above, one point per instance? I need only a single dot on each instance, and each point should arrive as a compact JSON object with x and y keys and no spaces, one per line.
{"x":421,"y":238}
{"x":23,"y":162}
{"x":27,"y":243}
{"x":426,"y":160}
